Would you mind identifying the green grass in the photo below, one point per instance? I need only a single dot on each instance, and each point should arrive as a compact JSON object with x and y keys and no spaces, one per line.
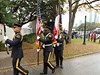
{"x":75,"y":48}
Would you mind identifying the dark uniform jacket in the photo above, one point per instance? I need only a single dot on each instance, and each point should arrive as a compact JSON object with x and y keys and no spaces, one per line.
{"x":61,"y":43}
{"x":47,"y":42}
{"x":16,"y":44}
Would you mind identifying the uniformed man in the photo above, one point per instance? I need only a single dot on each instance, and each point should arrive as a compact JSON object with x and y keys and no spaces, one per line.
{"x":47,"y":49}
{"x":17,"y":52}
{"x":58,"y":50}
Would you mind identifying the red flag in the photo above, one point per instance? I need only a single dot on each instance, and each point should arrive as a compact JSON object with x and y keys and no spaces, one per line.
{"x":56,"y":27}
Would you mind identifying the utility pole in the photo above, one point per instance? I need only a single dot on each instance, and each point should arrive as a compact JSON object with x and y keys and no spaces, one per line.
{"x":84,"y":42}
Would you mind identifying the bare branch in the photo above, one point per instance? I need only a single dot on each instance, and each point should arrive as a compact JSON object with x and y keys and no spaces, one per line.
{"x":88,"y":2}
{"x":29,"y":21}
{"x":75,"y":2}
{"x":92,"y":6}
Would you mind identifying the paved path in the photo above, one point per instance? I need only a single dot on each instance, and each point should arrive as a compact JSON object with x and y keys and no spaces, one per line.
{"x":85,"y":65}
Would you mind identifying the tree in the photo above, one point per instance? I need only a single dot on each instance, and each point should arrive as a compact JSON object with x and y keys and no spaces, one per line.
{"x":5,"y":15}
{"x":89,"y":26}
{"x":24,"y":11}
{"x":74,"y":5}
{"x":49,"y":9}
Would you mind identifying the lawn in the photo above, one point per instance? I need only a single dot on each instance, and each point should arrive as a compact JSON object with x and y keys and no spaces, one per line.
{"x":75,"y":48}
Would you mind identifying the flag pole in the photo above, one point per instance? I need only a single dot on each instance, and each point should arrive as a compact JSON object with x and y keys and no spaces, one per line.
{"x":7,"y":47}
{"x":60,"y":17}
{"x":37,"y":48}
{"x":56,"y":25}
{"x":38,"y":29}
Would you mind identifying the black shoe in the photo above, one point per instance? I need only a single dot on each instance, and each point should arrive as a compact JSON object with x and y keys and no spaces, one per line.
{"x":43,"y":73}
{"x":53,"y":70}
{"x":61,"y":66}
{"x":27,"y":72}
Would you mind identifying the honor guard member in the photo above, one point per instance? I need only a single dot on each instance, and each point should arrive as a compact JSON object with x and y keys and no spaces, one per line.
{"x":47,"y":49}
{"x":17,"y":51}
{"x":58,"y":50}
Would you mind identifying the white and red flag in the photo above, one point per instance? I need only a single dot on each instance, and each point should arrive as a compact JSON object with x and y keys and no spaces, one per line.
{"x":56,"y":27}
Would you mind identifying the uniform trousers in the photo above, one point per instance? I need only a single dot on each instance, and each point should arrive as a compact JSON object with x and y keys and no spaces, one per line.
{"x":59,"y":56}
{"x":47,"y":63}
{"x":17,"y":68}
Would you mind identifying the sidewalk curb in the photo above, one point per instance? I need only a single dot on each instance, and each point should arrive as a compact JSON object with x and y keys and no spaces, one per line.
{"x":35,"y":64}
{"x":84,"y":54}
{"x":69,"y":57}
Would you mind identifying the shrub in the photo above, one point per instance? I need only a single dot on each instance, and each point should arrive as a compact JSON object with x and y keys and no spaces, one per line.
{"x":1,"y":46}
{"x":30,"y":38}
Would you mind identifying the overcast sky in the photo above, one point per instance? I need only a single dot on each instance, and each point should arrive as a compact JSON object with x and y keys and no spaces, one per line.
{"x":65,"y":19}
{"x":80,"y":18}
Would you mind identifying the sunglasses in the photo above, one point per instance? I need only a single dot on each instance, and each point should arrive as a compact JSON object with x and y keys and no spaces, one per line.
{"x":14,"y":27}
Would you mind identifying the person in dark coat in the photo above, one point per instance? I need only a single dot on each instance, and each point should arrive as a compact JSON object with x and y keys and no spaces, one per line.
{"x":58,"y":50}
{"x":17,"y":51}
{"x":47,"y":49}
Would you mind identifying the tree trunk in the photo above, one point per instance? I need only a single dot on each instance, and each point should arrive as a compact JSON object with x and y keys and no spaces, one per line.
{"x":72,"y":14}
{"x":71,"y":22}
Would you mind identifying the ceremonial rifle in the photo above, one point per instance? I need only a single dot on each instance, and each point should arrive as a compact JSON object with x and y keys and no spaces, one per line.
{"x":6,"y":46}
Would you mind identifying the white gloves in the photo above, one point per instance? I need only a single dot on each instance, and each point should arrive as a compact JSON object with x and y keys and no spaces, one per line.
{"x":38,"y":50}
{"x":5,"y":38}
{"x":58,"y":44}
{"x":38,"y":37}
{"x":7,"y":45}
{"x":43,"y":45}
{"x":56,"y":37}
{"x":54,"y":45}
{"x":42,"y":29}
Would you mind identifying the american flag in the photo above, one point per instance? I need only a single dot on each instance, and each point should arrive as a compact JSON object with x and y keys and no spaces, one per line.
{"x":38,"y":23}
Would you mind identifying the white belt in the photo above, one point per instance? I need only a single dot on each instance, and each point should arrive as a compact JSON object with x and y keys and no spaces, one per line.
{"x":57,"y":44}
{"x":46,"y":45}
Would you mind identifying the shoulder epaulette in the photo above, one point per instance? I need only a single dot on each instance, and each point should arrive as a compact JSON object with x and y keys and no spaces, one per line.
{"x":19,"y":36}
{"x":49,"y":35}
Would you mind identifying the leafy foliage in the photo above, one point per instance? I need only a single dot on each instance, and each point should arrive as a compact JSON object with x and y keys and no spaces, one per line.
{"x":89,"y":26}
{"x":24,"y":11}
{"x":30,"y":38}
{"x":5,"y":15}
{"x":1,"y":46}
{"x":49,"y":9}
